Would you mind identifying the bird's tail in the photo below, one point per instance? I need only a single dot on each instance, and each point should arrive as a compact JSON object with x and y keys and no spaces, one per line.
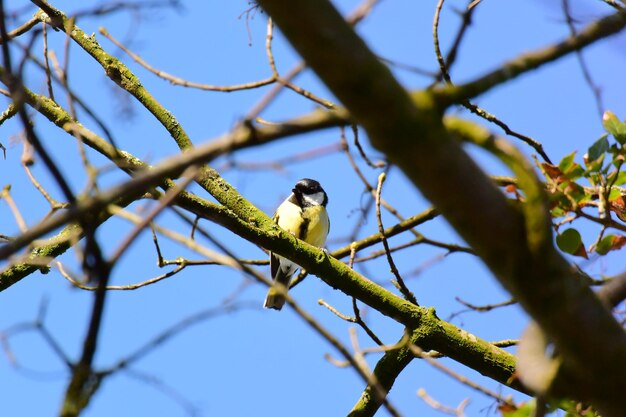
{"x":275,"y":298}
{"x":276,"y":295}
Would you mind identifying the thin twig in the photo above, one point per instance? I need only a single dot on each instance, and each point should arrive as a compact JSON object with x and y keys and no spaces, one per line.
{"x":22,"y":29}
{"x":336,"y":312}
{"x":180,"y":81}
{"x":450,"y":247}
{"x":445,"y":74}
{"x":176,"y":329}
{"x":417,"y":351}
{"x":268,"y":47}
{"x":466,"y":21}
{"x":505,"y":343}
{"x":274,"y":91}
{"x":487,"y":307}
{"x":436,"y":405}
{"x":19,"y":219}
{"x":368,"y":187}
{"x":354,"y":18}
{"x":360,"y":322}
{"x":595,"y":89}
{"x":54,"y":204}
{"x":57,"y":77}
{"x":165,"y":389}
{"x":94,"y":262}
{"x":130,"y":287}
{"x":167,"y":199}
{"x":442,"y":64}
{"x":403,"y":288}
{"x":47,"y":61}
{"x":355,"y":132}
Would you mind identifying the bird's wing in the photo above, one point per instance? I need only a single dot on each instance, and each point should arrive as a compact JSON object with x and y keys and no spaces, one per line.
{"x":274,"y":264}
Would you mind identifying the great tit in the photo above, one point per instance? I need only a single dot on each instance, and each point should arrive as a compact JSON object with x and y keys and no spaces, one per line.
{"x":303,"y":214}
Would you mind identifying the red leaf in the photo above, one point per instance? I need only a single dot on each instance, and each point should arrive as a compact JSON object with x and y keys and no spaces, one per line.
{"x":618,"y":206}
{"x":581,"y":251}
{"x":506,"y":408}
{"x":618,"y":242}
{"x":552,"y":171}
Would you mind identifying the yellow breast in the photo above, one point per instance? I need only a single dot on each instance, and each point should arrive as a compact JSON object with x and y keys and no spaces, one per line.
{"x":317,"y":227}
{"x":311,"y":225}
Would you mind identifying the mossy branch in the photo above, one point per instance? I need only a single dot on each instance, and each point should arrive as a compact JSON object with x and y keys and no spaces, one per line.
{"x":39,"y":257}
{"x":255,"y":226}
{"x":115,"y":70}
{"x":244,"y":219}
{"x":412,"y":134}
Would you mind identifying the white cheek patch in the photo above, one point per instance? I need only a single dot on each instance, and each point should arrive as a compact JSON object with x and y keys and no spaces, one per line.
{"x":313,"y":199}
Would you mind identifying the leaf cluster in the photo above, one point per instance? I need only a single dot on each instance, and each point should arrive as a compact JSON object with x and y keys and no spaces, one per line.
{"x":597,"y":183}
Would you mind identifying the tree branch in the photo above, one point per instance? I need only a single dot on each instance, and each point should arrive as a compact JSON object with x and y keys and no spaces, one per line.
{"x":517,"y":246}
{"x":600,"y":29}
{"x":435,"y":154}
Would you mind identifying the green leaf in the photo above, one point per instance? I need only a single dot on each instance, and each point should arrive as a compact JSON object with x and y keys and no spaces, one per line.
{"x":595,"y":165}
{"x":605,"y":244}
{"x":598,"y":148}
{"x":594,"y":177}
{"x":614,"y":126}
{"x":570,"y":242}
{"x":567,"y":162}
{"x":614,"y":194}
{"x":609,"y":243}
{"x":575,"y":172}
{"x":571,"y":169}
{"x":618,"y":154}
{"x":621,"y":178}
{"x":585,"y":199}
{"x":557,"y":212}
{"x":571,"y":408}
{"x":575,"y":191}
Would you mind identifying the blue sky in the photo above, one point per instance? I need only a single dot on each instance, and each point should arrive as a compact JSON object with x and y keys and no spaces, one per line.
{"x":252,"y":362}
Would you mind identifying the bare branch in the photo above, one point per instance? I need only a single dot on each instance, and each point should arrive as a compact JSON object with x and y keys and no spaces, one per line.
{"x":22,"y":29}
{"x":180,"y":81}
{"x":593,"y":32}
{"x":595,"y":90}
{"x":399,"y":281}
{"x":417,"y":351}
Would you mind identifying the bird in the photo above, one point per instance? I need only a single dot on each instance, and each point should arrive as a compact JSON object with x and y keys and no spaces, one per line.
{"x":304,"y":215}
